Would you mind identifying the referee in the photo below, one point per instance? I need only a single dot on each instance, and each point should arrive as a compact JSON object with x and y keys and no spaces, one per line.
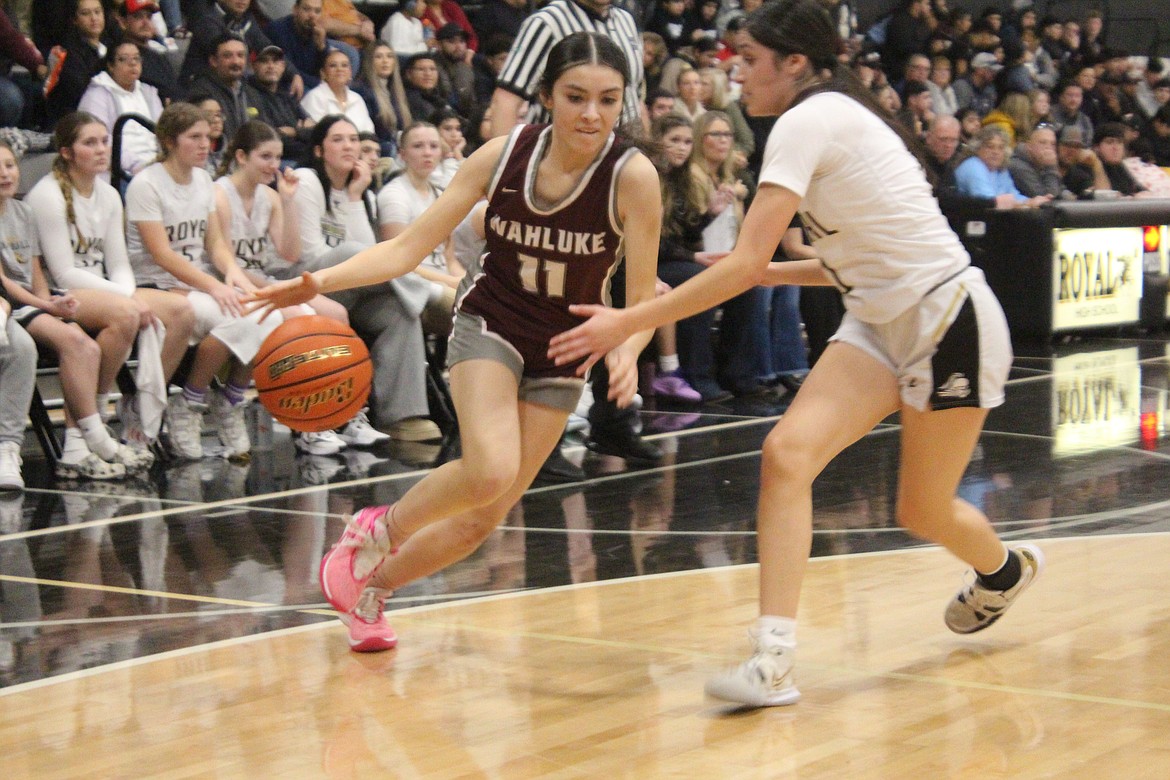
{"x":612,"y":431}
{"x":519,"y":81}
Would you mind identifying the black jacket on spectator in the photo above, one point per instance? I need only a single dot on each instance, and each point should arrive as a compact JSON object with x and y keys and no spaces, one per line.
{"x":496,"y":16}
{"x":238,"y":106}
{"x":282,"y":110}
{"x":1121,"y":180}
{"x":425,"y":104}
{"x":82,"y":63}
{"x":158,"y":72}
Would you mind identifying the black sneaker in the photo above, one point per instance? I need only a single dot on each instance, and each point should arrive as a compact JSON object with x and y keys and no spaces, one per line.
{"x":559,"y":470}
{"x":624,"y":444}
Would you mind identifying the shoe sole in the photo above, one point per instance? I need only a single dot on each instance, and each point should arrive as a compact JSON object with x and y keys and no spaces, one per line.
{"x":749,"y":697}
{"x":369,"y":644}
{"x":1028,"y":551}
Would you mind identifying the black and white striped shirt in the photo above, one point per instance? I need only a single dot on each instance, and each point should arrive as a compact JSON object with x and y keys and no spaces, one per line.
{"x":545,"y":28}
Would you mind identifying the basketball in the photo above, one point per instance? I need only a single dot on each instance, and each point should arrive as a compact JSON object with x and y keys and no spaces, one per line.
{"x":313,"y":373}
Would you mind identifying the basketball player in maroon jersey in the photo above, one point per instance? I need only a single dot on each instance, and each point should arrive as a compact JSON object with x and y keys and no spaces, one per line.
{"x":567,"y":202}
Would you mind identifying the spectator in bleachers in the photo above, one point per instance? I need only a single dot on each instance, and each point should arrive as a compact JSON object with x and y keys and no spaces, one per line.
{"x":917,"y":110}
{"x":261,"y":223}
{"x":1041,"y":103}
{"x":659,"y":103}
{"x":1079,"y":166}
{"x":1153,"y":73}
{"x":680,"y":252}
{"x":216,"y":136}
{"x":1044,"y":70}
{"x":689,"y":89}
{"x":222,"y":18}
{"x":301,"y":35}
{"x":225,"y":82}
{"x":1051,"y":34}
{"x":669,"y":20}
{"x":942,"y":93}
{"x":336,"y":212}
{"x":1013,"y":116}
{"x":868,"y":69}
{"x":90,"y":451}
{"x":977,"y":90}
{"x":654,"y":57}
{"x":424,"y":94}
{"x":969,"y":124}
{"x":1109,"y":145}
{"x":908,"y":34}
{"x":118,"y":90}
{"x":450,"y":126}
{"x":176,"y":244}
{"x":1017,"y":74}
{"x":887,"y":98}
{"x":277,"y":107}
{"x":985,"y":175}
{"x":84,"y":46}
{"x":381,"y":87}
{"x":134,"y":21}
{"x":1067,"y":111}
{"x":404,"y":30}
{"x":1033,"y":166}
{"x":497,"y":17}
{"x":440,"y":13}
{"x":950,"y":39}
{"x":334,"y":96}
{"x":487,"y":64}
{"x":917,"y":71}
{"x":1091,"y":99}
{"x":1156,"y":137}
{"x":15,"y":48}
{"x":403,"y":200}
{"x":1092,"y":41}
{"x":456,"y":75}
{"x":715,"y":96}
{"x":79,"y":220}
{"x":344,"y":22}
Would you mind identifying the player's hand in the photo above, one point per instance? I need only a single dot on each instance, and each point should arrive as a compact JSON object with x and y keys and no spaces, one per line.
{"x":64,"y":306}
{"x":623,"y":377}
{"x":146,"y":317}
{"x":284,"y":294}
{"x":362,"y":176}
{"x":227,"y":298}
{"x":604,"y":331}
{"x":287,"y":184}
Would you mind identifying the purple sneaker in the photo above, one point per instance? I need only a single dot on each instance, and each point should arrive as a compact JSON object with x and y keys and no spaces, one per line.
{"x":674,"y":386}
{"x":347,"y":567}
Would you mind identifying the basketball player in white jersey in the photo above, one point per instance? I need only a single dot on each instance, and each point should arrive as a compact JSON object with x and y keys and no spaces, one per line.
{"x":923,"y":333}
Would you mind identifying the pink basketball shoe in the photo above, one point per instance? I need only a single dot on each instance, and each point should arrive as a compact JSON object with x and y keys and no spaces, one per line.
{"x":369,"y":631}
{"x":347,"y":567}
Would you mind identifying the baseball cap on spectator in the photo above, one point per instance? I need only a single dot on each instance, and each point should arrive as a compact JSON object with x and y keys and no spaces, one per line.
{"x":1109,"y":130}
{"x":1072,"y":136}
{"x":134,"y":6}
{"x":985,"y":59}
{"x":271,"y":53}
{"x":915,"y":88}
{"x":706,"y":44}
{"x":450,"y":31}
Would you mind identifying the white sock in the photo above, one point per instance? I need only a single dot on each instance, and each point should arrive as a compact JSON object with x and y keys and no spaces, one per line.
{"x":97,"y":437}
{"x":75,"y":448}
{"x":784,"y":629}
{"x":668,"y":363}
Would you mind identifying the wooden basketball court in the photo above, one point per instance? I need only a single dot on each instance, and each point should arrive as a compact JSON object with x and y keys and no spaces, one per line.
{"x":161,"y":636}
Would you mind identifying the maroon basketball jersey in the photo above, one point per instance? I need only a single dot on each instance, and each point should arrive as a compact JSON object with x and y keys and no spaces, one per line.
{"x":539,"y":261}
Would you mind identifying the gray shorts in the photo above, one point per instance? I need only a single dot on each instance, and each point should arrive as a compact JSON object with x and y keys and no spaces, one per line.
{"x":470,"y":340}
{"x":951,"y":349}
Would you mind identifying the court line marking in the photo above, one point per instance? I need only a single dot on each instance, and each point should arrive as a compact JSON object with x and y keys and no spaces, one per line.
{"x":316,"y":626}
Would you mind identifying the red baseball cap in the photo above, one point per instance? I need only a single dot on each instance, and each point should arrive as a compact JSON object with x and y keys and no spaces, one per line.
{"x":134,"y":6}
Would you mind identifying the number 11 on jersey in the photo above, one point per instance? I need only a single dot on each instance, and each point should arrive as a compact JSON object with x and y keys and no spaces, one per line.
{"x":533,"y":270}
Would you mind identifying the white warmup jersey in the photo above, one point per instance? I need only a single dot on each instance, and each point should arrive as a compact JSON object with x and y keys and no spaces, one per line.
{"x":867,"y":206}
{"x":249,"y":233}
{"x":183,"y":210}
{"x":18,"y":243}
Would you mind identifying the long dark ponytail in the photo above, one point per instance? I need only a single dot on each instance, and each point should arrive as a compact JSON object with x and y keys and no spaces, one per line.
{"x":805,"y":27}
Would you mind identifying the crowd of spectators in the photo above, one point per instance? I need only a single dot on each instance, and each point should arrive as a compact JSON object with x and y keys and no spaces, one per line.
{"x":376,"y":115}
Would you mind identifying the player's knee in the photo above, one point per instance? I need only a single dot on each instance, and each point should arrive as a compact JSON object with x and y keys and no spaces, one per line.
{"x":490,"y":480}
{"x":79,"y":346}
{"x":921,"y":517}
{"x":472,"y":529}
{"x":784,"y":456}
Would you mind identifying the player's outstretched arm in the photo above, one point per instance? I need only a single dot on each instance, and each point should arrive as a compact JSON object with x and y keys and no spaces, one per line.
{"x":766,"y":221}
{"x":403,"y":253}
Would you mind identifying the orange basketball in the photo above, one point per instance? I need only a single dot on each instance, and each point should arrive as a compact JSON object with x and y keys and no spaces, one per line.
{"x":313,"y":373}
